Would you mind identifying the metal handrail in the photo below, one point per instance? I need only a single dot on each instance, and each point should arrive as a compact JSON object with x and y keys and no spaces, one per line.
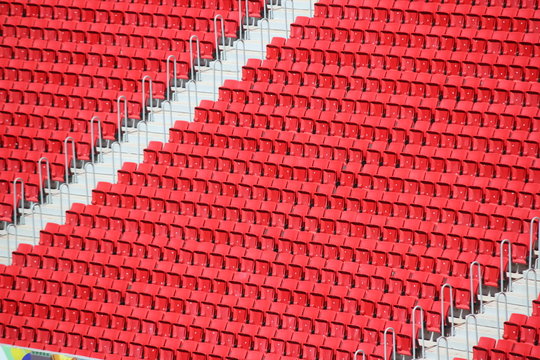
{"x":100,"y":137}
{"x":139,"y":139}
{"x":414,"y":338}
{"x":48,"y":169}
{"x":114,"y":157}
{"x":62,"y":218}
{"x":214,"y":90}
{"x":470,"y":316}
{"x":87,"y":187}
{"x":150,"y":95}
{"x":197,"y":74}
{"x":360,"y":351}
{"x":175,"y":74}
{"x":443,"y":317}
{"x":239,"y":41}
{"x":119,"y":116}
{"x":191,"y":81}
{"x":439,"y":348}
{"x":247,"y":20}
{"x":497,"y":295}
{"x":165,"y":132}
{"x":219,"y":54}
{"x":34,"y":221}
{"x":385,"y":345}
{"x":531,"y":237}
{"x":501,"y":271}
{"x":15,"y":200}
{"x":73,"y":161}
{"x":269,"y":39}
{"x":9,"y":226}
{"x":286,"y":20}
{"x":526,"y":275}
{"x":471,"y":280}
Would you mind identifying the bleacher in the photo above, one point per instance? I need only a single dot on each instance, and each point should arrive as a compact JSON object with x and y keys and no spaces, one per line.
{"x":349,"y":182}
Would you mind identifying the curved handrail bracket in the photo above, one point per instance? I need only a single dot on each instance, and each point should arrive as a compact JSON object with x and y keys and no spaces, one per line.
{"x":264,"y":21}
{"x":9,"y":226}
{"x":191,"y":81}
{"x":470,"y":316}
{"x":439,"y":347}
{"x":119,"y":124}
{"x":526,"y":275}
{"x":139,"y":139}
{"x":220,"y":55}
{"x":34,"y":237}
{"x":92,"y":140}
{"x":214,"y":90}
{"x":471,"y":280}
{"x":286,"y":19}
{"x":150,"y":95}
{"x":197,"y":74}
{"x":87,"y":187}
{"x":451,"y":302}
{"x":239,"y":41}
{"x":16,"y":200}
{"x":40,"y":170}
{"x":532,"y":247}
{"x":501,"y":262}
{"x":66,"y":159}
{"x":165,"y":132}
{"x":422,"y":330}
{"x":114,"y":179}
{"x":62,"y":217}
{"x":497,"y":295}
{"x":175,"y":75}
{"x":385,"y":345}
{"x":359,"y":351}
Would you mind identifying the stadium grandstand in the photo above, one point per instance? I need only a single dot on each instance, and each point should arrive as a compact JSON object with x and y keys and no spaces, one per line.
{"x":269,"y":179}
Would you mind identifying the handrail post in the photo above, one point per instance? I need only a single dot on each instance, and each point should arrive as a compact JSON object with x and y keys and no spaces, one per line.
{"x":214,"y":76}
{"x":531,"y":241}
{"x":497,"y":295}
{"x":360,"y":351}
{"x":48,"y":169}
{"x":439,"y":348}
{"x":92,"y":141}
{"x":219,"y":54}
{"x":139,"y":139}
{"x":385,"y":345}
{"x":286,"y":19}
{"x":9,"y":226}
{"x":150,"y":96}
{"x":240,"y":22}
{"x":263,"y":20}
{"x":191,"y":81}
{"x":15,"y":200}
{"x":34,"y":237}
{"x":526,"y":274}
{"x":414,"y":337}
{"x":443,"y":316}
{"x":119,"y":117}
{"x":87,"y":187}
{"x":197,"y":74}
{"x":471,"y":280}
{"x":175,"y":75}
{"x":62,"y":200}
{"x":114,"y":161}
{"x":509,"y":273}
{"x":470,"y":316}
{"x":247,"y":19}
{"x":240,"y":41}
{"x":66,"y":159}
{"x":170,"y":119}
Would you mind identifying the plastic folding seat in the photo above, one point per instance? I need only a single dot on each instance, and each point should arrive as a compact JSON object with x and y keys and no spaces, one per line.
{"x":513,"y":325}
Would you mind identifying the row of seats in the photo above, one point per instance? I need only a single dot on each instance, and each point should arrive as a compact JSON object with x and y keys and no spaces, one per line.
{"x":449,"y":15}
{"x":353,"y":175}
{"x":522,"y":328}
